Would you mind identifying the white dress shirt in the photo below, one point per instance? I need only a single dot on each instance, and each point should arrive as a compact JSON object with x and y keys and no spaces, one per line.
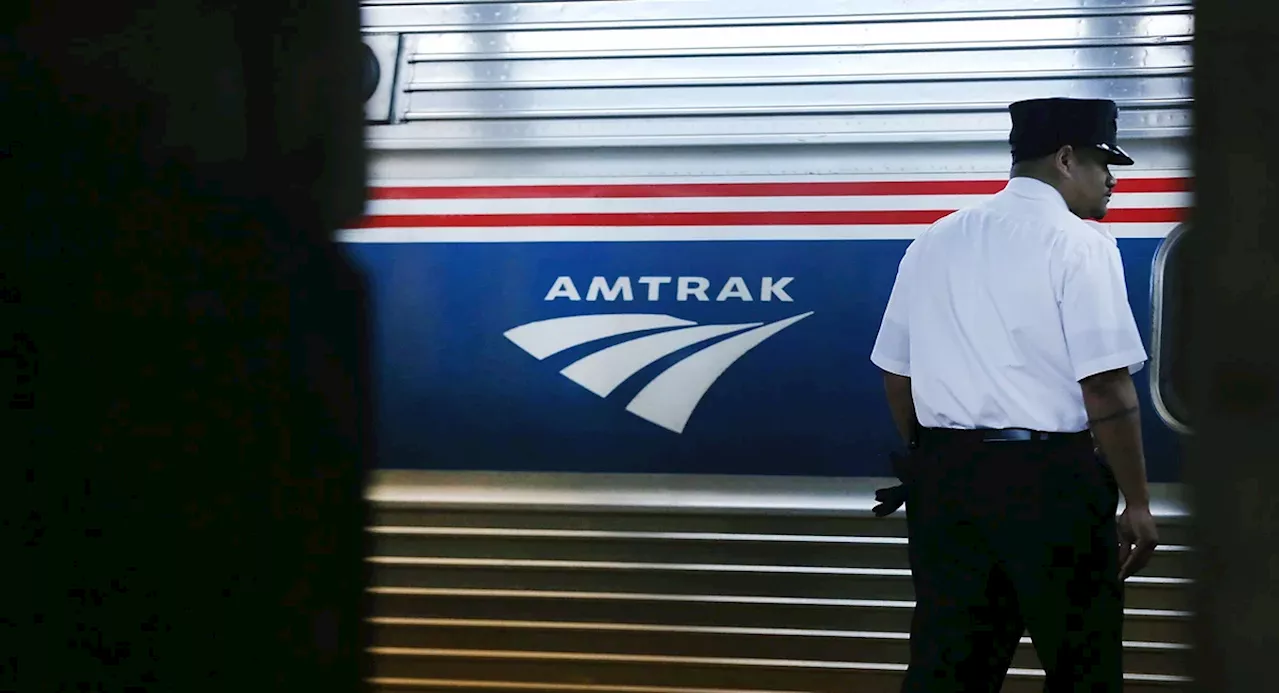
{"x":999,"y":310}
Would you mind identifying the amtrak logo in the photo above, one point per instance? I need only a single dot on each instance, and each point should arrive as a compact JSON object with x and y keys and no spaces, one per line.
{"x":668,"y":400}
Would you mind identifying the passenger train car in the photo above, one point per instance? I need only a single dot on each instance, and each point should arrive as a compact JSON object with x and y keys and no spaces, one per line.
{"x":627,"y":260}
{"x":657,"y":236}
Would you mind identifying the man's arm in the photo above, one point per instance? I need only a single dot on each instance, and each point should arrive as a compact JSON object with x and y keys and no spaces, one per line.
{"x":1105,"y":347}
{"x":892,"y":354}
{"x":1111,"y":402}
{"x":897,"y":389}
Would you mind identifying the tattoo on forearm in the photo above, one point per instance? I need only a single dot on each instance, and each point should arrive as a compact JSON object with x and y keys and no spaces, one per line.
{"x":1123,"y":414}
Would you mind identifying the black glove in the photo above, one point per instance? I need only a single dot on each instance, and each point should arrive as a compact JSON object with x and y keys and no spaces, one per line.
{"x":888,"y":500}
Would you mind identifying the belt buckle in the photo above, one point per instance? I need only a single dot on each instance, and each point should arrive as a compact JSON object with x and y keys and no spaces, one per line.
{"x":1011,"y":435}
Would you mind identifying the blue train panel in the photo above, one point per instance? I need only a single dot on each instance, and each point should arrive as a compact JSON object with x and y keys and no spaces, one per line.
{"x":648,"y":357}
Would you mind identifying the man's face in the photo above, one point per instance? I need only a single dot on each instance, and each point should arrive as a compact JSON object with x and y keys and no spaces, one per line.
{"x":1089,"y":181}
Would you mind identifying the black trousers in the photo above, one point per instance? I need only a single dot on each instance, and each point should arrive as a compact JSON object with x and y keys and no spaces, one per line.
{"x":1007,"y":536}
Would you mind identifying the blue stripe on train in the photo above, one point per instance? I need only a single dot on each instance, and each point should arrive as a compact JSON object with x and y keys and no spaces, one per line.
{"x":453,"y":393}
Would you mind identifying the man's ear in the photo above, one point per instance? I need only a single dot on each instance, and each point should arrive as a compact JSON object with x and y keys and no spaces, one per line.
{"x":1065,"y":158}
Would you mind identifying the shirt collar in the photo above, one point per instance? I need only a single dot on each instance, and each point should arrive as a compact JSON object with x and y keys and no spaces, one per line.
{"x":1032,"y":189}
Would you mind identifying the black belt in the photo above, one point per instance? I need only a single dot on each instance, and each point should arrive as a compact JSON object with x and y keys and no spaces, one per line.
{"x":888,"y":500}
{"x":999,"y":435}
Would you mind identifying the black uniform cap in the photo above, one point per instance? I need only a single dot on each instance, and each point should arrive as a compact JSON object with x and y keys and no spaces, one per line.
{"x":1042,"y":126}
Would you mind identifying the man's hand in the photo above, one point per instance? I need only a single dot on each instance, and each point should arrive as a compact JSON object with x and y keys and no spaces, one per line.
{"x":1138,"y":538}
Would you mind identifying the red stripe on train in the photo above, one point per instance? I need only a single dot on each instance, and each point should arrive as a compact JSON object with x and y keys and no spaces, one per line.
{"x":814,"y":218}
{"x":791,"y":189}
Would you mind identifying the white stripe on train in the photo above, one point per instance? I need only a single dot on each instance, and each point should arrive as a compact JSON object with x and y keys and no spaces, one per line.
{"x":595,"y":234}
{"x":388,"y":178}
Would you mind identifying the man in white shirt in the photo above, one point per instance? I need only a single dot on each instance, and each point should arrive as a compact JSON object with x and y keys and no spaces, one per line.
{"x":1007,"y":348}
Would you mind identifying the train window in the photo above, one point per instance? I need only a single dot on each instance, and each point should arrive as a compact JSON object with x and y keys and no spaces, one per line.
{"x":378,"y":63}
{"x":371,"y":74}
{"x":1167,"y":370}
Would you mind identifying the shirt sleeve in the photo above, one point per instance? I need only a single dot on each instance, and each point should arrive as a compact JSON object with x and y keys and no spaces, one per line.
{"x":1097,"y":321}
{"x":892,"y":350}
